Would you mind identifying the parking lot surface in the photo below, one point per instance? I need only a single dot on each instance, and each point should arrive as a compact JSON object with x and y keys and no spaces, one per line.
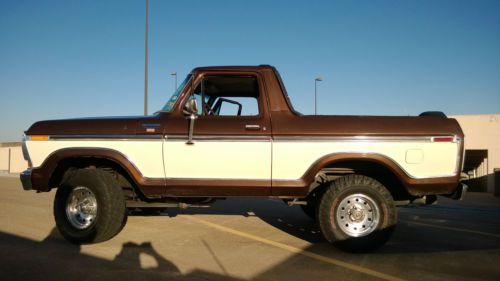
{"x":248,"y":239}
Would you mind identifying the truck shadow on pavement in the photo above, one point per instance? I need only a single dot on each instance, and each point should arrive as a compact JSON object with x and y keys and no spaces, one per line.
{"x":407,"y":238}
{"x":56,"y":259}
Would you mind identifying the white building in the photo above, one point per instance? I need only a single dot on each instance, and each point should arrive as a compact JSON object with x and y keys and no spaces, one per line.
{"x":482,"y":149}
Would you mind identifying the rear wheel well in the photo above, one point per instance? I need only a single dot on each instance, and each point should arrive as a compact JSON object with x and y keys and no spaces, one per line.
{"x":373,"y":170}
{"x":67,"y":165}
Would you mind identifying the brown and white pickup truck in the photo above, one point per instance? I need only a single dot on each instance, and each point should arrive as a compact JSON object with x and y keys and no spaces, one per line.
{"x":232,"y":132}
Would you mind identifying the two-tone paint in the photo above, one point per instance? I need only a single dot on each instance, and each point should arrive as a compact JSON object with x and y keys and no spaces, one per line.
{"x":276,"y":153}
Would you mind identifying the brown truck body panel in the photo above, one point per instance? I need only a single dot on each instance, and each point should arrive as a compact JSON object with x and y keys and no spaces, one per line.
{"x":275,"y":113}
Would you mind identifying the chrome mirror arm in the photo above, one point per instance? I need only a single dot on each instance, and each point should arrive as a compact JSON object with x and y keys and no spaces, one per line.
{"x":192,"y":117}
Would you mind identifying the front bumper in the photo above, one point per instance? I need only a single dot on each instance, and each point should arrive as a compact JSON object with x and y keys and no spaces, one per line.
{"x":459,"y":192}
{"x":26,"y":179}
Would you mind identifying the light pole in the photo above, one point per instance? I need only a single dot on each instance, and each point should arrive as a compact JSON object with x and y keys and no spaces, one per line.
{"x":146,"y":62}
{"x":175,"y":76}
{"x":319,"y":78}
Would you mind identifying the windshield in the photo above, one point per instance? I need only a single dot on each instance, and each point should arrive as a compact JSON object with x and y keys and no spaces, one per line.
{"x":173,"y":99}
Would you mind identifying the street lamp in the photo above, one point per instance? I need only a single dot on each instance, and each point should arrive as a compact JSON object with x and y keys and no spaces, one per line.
{"x":175,"y":76}
{"x":319,"y":78}
{"x":146,"y":61}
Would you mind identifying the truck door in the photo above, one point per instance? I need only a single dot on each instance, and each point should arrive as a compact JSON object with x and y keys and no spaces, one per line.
{"x":230,"y":153}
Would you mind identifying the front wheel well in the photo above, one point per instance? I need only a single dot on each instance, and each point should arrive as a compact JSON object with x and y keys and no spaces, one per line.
{"x":66,"y":166}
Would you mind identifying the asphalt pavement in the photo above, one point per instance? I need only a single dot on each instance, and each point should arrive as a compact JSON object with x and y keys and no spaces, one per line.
{"x":248,"y":239}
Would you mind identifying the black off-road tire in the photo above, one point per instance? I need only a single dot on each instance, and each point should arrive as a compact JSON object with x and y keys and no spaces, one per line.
{"x":111,"y":213}
{"x":363,"y":206}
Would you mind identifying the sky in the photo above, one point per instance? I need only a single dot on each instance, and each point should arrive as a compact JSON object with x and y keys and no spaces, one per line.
{"x":81,"y":58}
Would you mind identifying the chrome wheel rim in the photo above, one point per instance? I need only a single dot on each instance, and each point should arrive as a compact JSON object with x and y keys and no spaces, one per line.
{"x":358,"y":215}
{"x":81,"y":207}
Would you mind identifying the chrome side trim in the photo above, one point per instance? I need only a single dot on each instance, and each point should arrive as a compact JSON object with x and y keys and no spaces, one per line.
{"x":254,"y":137}
{"x":219,"y":138}
{"x":105,"y":137}
{"x":357,"y":138}
{"x":219,"y":179}
{"x":307,"y":138}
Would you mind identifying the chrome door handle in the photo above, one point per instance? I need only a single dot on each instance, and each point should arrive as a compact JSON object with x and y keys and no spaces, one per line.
{"x":252,"y":127}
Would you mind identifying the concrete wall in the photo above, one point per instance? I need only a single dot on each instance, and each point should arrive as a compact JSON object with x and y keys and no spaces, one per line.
{"x":4,"y":158}
{"x":483,"y":132}
{"x":17,"y":162}
{"x":12,"y":160}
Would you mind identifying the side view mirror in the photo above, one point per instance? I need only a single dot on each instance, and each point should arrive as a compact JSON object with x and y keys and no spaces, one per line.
{"x":191,"y":107}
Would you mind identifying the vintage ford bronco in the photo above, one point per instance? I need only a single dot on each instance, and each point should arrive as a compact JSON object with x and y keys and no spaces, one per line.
{"x":232,"y":132}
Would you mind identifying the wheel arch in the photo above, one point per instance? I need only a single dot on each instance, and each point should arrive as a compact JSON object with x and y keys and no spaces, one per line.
{"x":376,"y":166}
{"x":58,"y":163}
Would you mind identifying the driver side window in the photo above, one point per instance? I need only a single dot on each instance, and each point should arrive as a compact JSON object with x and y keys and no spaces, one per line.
{"x":227,"y":96}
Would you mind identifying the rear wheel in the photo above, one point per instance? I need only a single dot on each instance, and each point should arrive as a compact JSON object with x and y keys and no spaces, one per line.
{"x":89,"y":207}
{"x":356,"y":213}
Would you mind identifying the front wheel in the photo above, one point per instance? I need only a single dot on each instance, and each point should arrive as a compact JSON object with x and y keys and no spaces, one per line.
{"x":356,"y":213}
{"x":89,"y":207}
